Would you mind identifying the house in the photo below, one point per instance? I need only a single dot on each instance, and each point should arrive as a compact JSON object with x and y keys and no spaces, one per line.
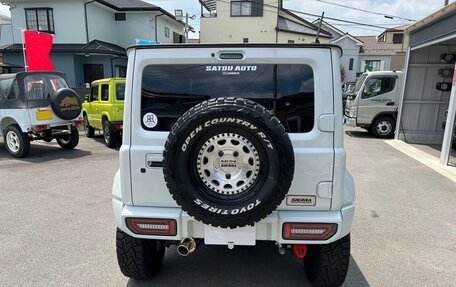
{"x":350,"y":45}
{"x":255,"y":21}
{"x":385,"y":52}
{"x":429,"y":95}
{"x":90,"y":37}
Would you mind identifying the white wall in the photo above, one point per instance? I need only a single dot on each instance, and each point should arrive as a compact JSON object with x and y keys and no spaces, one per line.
{"x":351,"y":51}
{"x":6,"y":34}
{"x":101,"y":23}
{"x":69,"y":20}
{"x":165,"y":21}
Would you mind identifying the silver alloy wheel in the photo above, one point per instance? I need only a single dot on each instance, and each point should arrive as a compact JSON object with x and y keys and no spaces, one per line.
{"x":107,"y":133}
{"x":12,"y":140}
{"x":384,"y":127}
{"x":228,"y":164}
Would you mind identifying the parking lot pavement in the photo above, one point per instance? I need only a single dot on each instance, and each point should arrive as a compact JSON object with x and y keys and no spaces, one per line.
{"x":57,"y":227}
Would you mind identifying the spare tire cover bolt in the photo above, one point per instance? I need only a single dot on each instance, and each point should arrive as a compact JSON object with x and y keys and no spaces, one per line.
{"x":220,"y":153}
{"x":235,"y":154}
{"x":228,"y":176}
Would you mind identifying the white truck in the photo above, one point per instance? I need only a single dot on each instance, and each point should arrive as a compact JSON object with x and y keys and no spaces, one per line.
{"x":38,"y":106}
{"x":373,"y":105}
{"x":229,"y":144}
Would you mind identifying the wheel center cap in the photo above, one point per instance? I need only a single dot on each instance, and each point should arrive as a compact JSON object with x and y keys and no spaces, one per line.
{"x":228,"y":163}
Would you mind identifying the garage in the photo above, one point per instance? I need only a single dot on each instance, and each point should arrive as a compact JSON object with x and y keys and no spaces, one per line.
{"x":428,"y":100}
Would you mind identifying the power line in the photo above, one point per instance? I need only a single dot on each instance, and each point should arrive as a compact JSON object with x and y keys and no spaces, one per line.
{"x":367,"y":11}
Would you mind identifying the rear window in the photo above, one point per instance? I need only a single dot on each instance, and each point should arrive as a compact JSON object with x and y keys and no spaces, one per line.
{"x":120,"y":92}
{"x":40,"y":87}
{"x":287,"y":90}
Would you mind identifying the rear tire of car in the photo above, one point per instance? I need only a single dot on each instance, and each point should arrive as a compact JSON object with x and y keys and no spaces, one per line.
{"x":89,"y":131}
{"x":110,"y":135}
{"x":327,"y":265}
{"x":383,"y":127}
{"x":16,"y":142}
{"x":69,"y":141}
{"x":139,"y":258}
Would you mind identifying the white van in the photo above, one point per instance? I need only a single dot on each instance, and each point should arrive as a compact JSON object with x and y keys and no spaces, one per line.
{"x":373,"y":105}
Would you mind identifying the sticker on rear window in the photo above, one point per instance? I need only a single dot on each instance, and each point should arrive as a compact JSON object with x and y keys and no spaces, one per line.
{"x":150,"y":120}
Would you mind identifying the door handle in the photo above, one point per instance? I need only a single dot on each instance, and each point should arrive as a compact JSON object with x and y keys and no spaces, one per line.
{"x":390,"y":103}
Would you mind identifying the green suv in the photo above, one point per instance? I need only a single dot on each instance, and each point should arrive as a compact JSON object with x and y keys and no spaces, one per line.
{"x":103,"y":110}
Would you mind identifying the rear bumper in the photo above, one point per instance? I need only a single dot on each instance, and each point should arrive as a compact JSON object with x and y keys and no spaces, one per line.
{"x":269,"y":229}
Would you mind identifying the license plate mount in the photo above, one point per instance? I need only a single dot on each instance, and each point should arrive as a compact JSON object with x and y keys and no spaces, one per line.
{"x":245,"y":236}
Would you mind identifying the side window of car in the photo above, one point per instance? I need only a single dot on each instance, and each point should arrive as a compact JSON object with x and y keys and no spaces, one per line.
{"x":94,"y":94}
{"x":5,"y":89}
{"x":105,"y":93}
{"x":378,"y":86}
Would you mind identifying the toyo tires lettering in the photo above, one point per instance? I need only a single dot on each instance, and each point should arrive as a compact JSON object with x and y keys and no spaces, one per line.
{"x":222,"y":211}
{"x":217,"y":121}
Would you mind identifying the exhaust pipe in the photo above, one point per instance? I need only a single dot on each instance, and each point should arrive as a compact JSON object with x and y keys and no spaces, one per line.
{"x":186,"y":246}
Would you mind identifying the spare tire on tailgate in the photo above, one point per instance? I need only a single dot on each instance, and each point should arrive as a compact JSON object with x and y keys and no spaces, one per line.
{"x":228,"y":162}
{"x":66,"y":104}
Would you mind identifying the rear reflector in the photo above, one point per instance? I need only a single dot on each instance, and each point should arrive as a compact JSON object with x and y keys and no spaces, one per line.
{"x":147,"y":226}
{"x":308,"y":231}
{"x":118,"y":126}
{"x":78,"y":123}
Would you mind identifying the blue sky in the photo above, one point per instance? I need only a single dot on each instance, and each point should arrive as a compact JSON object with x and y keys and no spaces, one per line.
{"x":413,"y":9}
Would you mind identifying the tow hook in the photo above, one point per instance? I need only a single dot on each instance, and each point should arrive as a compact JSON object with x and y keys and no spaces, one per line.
{"x":300,"y":250}
{"x":186,"y":246}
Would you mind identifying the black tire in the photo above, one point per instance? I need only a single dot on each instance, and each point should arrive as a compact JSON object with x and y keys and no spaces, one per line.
{"x":66,"y":104}
{"x":383,"y":127}
{"x":327,"y":265}
{"x":16,"y":142}
{"x":89,"y":131}
{"x":139,"y":258}
{"x":110,"y":135}
{"x":260,"y":138}
{"x":69,"y":141}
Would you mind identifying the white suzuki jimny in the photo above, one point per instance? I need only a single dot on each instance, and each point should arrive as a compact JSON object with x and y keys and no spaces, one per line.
{"x":230,"y":145}
{"x":38,"y":106}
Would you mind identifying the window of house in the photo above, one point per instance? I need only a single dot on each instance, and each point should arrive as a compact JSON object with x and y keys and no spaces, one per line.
{"x":93,"y":72}
{"x":166,"y":32}
{"x":105,"y":93}
{"x":246,"y":8}
{"x":121,"y":71}
{"x":40,"y":19}
{"x":372,"y":65}
{"x":350,"y":66}
{"x":378,"y":86}
{"x":398,"y":38}
{"x":120,"y":16}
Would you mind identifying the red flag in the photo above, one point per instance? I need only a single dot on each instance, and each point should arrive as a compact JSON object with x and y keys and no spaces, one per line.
{"x":37,"y":49}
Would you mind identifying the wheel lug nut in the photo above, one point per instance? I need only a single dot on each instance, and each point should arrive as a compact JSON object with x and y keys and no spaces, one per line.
{"x":220,"y":153}
{"x":228,"y":176}
{"x":235,"y":154}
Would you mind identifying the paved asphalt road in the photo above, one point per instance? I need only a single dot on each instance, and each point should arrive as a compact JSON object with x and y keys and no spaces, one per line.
{"x":57,"y":227}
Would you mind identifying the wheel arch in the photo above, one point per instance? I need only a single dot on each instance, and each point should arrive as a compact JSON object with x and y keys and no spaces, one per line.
{"x":105,"y":116}
{"x":392,"y":115}
{"x":7,"y":121}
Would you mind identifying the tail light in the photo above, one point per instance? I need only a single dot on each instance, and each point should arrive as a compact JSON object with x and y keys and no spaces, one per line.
{"x":308,"y":231}
{"x":41,"y":127}
{"x":147,"y":226}
{"x":118,"y":126}
{"x":78,"y":123}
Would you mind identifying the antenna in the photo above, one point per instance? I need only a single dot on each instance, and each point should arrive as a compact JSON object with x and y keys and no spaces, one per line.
{"x":319,"y":29}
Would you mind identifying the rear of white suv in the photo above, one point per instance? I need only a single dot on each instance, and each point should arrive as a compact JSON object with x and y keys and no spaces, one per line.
{"x":231,"y":144}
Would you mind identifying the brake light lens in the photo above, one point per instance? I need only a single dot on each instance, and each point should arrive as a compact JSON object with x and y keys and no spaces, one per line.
{"x":41,"y":127}
{"x":308,"y":231}
{"x":148,"y":226}
{"x":78,"y":123}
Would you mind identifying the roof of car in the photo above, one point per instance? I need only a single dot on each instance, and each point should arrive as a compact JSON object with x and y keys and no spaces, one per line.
{"x":238,"y":45}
